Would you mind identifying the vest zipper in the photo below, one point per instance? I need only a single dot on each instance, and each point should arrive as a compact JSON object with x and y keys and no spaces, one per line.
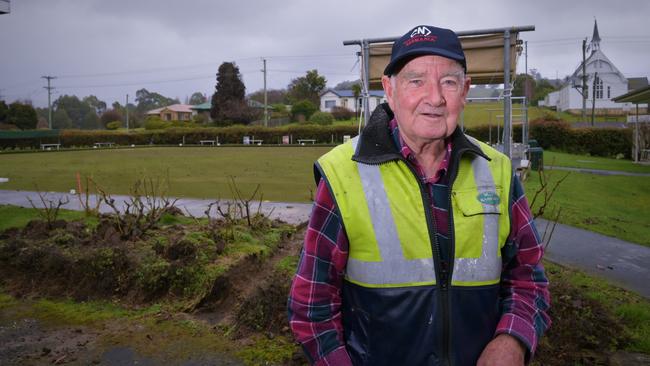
{"x":452,"y":245}
{"x":441,"y":267}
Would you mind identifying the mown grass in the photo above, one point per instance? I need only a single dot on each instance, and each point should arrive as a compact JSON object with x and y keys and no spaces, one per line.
{"x":562,"y":159}
{"x":616,"y":206}
{"x":285,"y":173}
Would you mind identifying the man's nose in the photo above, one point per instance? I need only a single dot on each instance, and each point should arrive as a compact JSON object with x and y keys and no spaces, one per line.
{"x":434,"y":94}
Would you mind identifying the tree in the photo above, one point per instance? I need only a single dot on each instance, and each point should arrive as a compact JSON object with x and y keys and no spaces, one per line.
{"x":22,"y":116}
{"x":307,"y":87}
{"x":111,"y":115}
{"x":273,"y":96}
{"x":519,"y":86}
{"x":197,"y":98}
{"x":98,"y":105}
{"x":60,"y":119}
{"x":78,"y":111}
{"x":228,"y":103}
{"x":304,"y":108}
{"x":4,"y":109}
{"x":347,"y":85}
{"x":147,"y":101}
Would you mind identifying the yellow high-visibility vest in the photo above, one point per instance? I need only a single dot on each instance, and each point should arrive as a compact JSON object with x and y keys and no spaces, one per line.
{"x":389,"y":228}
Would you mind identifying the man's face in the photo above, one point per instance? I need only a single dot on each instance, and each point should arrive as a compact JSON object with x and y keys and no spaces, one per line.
{"x":427,"y":96}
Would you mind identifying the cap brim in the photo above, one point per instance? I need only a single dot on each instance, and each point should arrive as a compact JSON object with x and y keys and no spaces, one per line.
{"x":390,"y":68}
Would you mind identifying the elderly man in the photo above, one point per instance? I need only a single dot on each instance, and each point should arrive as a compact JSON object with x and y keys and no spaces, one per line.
{"x":421,"y":248}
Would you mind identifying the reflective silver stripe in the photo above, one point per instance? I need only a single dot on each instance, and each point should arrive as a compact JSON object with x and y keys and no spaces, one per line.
{"x":394,"y":268}
{"x":488,"y":266}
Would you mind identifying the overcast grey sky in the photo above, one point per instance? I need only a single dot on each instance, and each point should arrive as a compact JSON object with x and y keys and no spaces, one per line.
{"x":113,"y":48}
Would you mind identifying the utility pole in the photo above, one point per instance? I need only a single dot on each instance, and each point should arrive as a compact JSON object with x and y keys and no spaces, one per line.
{"x":266,"y":112}
{"x":49,"y":98}
{"x":126,"y":107}
{"x":593,"y":99}
{"x":584,"y":79}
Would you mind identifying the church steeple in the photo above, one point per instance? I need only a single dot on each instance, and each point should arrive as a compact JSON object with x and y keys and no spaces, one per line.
{"x":595,"y":39}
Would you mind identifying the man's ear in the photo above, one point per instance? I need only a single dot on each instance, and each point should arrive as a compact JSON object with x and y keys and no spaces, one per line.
{"x":388,"y":90}
{"x":466,"y":86}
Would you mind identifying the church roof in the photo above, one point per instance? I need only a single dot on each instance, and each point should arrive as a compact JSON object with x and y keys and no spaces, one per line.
{"x":595,"y":38}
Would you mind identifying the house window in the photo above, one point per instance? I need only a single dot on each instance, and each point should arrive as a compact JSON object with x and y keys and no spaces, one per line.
{"x":330,"y":103}
{"x":168,"y":116}
{"x":609,"y":92}
{"x":599,"y":88}
{"x":344,"y":103}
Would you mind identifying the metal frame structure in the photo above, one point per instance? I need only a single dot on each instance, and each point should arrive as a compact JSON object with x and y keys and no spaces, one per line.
{"x":507,"y":103}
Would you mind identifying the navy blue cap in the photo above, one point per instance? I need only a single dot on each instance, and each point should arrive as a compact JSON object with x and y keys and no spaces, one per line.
{"x":425,"y":40}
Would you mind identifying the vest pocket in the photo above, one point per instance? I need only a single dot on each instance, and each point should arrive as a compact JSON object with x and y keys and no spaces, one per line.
{"x":476,"y":215}
{"x":479,"y":201}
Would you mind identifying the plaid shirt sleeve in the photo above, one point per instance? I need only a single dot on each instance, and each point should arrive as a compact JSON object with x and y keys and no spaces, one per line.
{"x":524,"y":286}
{"x":315,"y":299}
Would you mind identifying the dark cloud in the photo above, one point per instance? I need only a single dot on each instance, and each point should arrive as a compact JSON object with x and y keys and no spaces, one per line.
{"x":111,"y":48}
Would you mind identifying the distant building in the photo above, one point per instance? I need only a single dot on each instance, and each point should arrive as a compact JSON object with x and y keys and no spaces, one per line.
{"x":604,"y":82}
{"x":174,"y":112}
{"x":345,"y":98}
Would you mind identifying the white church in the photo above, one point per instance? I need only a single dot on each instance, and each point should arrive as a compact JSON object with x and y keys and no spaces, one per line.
{"x":604,"y":82}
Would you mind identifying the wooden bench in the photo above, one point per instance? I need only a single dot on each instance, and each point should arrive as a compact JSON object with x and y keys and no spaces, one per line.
{"x":302,"y":141}
{"x":207,"y":142}
{"x":108,"y":144}
{"x":50,"y":146}
{"x":256,"y":142}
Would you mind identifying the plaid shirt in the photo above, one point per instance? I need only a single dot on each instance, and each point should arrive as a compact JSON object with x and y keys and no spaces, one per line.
{"x":315,"y":299}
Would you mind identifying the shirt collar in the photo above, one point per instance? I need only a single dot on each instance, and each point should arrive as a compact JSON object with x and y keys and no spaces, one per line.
{"x":408,"y":154}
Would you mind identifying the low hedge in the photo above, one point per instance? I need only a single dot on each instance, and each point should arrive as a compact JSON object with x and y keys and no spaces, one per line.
{"x":556,"y":135}
{"x":172,"y":136}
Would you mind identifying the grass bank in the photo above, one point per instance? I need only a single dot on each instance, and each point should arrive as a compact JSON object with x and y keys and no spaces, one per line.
{"x":611,"y":205}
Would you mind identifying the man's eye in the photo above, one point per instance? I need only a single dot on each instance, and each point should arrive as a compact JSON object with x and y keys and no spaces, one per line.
{"x":415,"y":82}
{"x":449,"y":83}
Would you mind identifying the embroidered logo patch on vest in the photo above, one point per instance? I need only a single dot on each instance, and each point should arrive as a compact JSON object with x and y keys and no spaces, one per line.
{"x":488,"y":198}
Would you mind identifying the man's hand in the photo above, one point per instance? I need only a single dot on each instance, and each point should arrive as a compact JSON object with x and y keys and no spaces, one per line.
{"x":504,"y":350}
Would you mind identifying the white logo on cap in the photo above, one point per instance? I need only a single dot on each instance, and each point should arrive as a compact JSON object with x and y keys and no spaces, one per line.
{"x":420,"y":31}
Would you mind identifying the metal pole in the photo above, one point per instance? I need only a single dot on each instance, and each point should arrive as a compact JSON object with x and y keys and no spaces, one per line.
{"x":507,"y":123}
{"x":266,"y":112}
{"x":366,"y":80}
{"x":126,"y":107}
{"x":584,"y":80}
{"x":524,"y":127}
{"x":636,"y":136}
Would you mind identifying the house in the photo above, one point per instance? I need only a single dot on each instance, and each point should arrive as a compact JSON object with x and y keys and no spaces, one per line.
{"x":345,"y":98}
{"x":174,"y":112}
{"x":604,"y":82}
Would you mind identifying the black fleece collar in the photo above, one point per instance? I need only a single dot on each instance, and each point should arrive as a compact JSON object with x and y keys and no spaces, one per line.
{"x":376,"y":145}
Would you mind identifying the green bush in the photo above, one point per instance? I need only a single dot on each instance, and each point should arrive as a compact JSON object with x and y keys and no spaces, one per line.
{"x":303,"y":108}
{"x":155,"y":123}
{"x":322,"y":118}
{"x":113,"y":125}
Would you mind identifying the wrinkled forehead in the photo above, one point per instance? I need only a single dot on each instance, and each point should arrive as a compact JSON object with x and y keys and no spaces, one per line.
{"x":422,"y":64}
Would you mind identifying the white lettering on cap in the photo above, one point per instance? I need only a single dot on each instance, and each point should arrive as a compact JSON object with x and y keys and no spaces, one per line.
{"x":420,"y":31}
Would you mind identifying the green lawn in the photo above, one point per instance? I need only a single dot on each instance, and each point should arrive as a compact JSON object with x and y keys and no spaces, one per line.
{"x":612,"y":205}
{"x":285,"y":173}
{"x":592,"y":162}
{"x":617,"y":206}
